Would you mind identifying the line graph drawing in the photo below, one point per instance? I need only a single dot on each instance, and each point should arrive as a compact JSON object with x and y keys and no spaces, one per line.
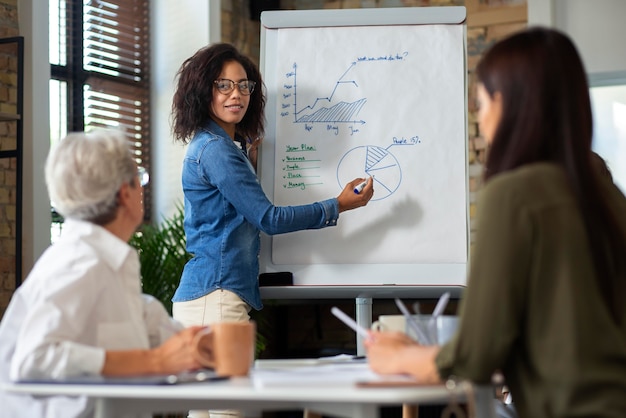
{"x":339,"y":105}
{"x":322,"y":110}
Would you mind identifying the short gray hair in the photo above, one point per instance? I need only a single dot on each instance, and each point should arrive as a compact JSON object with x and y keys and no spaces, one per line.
{"x":85,"y":171}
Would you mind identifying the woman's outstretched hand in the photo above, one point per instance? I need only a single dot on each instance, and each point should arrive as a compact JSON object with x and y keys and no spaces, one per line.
{"x":348,"y":199}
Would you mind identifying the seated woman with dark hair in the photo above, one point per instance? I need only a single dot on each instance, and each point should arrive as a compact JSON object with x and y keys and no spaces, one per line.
{"x":545,"y":297}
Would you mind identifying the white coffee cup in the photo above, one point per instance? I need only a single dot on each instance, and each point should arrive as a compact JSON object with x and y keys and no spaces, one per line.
{"x":390,"y":323}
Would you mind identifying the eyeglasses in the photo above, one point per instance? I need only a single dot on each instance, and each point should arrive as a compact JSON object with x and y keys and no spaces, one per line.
{"x":226,"y":86}
{"x":143,"y":176}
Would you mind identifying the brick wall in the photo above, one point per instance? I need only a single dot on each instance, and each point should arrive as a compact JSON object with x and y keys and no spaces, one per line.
{"x":8,"y":100}
{"x":487,"y":22}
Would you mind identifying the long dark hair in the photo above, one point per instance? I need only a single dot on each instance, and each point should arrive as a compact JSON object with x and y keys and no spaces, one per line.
{"x":546,"y":116}
{"x":194,"y":92}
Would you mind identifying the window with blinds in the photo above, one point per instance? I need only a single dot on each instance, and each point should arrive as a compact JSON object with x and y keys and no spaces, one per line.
{"x":100,"y":71}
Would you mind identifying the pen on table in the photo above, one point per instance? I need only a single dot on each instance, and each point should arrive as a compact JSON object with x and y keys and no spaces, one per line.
{"x":411,"y":322}
{"x":349,"y":322}
{"x":359,"y":188}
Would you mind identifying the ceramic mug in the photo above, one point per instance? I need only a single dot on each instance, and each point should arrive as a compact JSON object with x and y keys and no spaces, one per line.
{"x":390,"y":323}
{"x":227,"y":347}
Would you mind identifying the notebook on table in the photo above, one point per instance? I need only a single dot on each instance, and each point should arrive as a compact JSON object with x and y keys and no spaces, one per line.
{"x":202,"y":375}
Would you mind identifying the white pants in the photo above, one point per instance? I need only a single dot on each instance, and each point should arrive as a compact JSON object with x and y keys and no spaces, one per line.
{"x":218,"y":306}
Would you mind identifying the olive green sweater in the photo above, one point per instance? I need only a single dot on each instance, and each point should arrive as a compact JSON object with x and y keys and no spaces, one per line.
{"x":532,"y":308}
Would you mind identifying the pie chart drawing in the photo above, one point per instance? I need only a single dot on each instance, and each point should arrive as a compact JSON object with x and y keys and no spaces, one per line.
{"x":371,"y":160}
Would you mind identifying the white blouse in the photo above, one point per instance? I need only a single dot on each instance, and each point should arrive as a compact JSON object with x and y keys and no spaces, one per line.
{"x":82,"y":297}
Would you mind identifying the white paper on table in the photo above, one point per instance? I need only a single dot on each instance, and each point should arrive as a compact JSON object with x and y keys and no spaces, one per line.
{"x":328,"y":374}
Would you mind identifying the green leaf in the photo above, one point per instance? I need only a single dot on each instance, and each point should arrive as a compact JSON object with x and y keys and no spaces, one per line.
{"x":163,"y":255}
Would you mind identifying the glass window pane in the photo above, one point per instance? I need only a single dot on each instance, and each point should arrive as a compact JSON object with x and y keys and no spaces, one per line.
{"x":58,"y":110}
{"x":58,"y":129}
{"x":58,"y":31}
{"x":111,"y":88}
{"x":609,"y":136}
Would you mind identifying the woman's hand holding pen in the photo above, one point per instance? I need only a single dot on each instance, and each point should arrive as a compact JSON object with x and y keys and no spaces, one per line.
{"x":349,"y":199}
{"x":388,"y":340}
{"x":396,"y":353}
{"x":383,"y":348}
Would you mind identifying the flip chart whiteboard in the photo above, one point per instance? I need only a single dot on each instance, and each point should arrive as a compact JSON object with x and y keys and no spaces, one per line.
{"x":360,"y":93}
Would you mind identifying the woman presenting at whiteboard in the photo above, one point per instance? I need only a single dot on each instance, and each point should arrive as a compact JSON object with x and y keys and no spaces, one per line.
{"x":545,"y":296}
{"x":218,"y":110}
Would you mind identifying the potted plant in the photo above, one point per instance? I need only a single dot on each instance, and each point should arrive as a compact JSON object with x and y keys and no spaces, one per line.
{"x":163,"y":255}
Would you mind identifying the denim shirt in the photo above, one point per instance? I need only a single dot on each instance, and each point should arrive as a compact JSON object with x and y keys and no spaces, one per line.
{"x":225,"y":208}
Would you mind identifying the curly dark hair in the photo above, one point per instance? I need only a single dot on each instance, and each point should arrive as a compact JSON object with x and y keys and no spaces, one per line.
{"x":194,"y":92}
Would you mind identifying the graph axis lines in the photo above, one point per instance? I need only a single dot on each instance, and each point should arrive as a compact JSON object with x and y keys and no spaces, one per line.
{"x":341,"y":112}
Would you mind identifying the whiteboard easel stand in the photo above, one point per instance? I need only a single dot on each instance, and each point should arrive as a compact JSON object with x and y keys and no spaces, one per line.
{"x":364,"y":319}
{"x":361,"y":283}
{"x":438,"y":269}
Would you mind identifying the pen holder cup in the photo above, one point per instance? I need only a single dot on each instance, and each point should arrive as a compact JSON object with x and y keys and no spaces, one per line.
{"x":433,"y":331}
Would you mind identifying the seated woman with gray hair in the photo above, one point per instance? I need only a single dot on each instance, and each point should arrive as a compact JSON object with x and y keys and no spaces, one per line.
{"x":81,"y":310}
